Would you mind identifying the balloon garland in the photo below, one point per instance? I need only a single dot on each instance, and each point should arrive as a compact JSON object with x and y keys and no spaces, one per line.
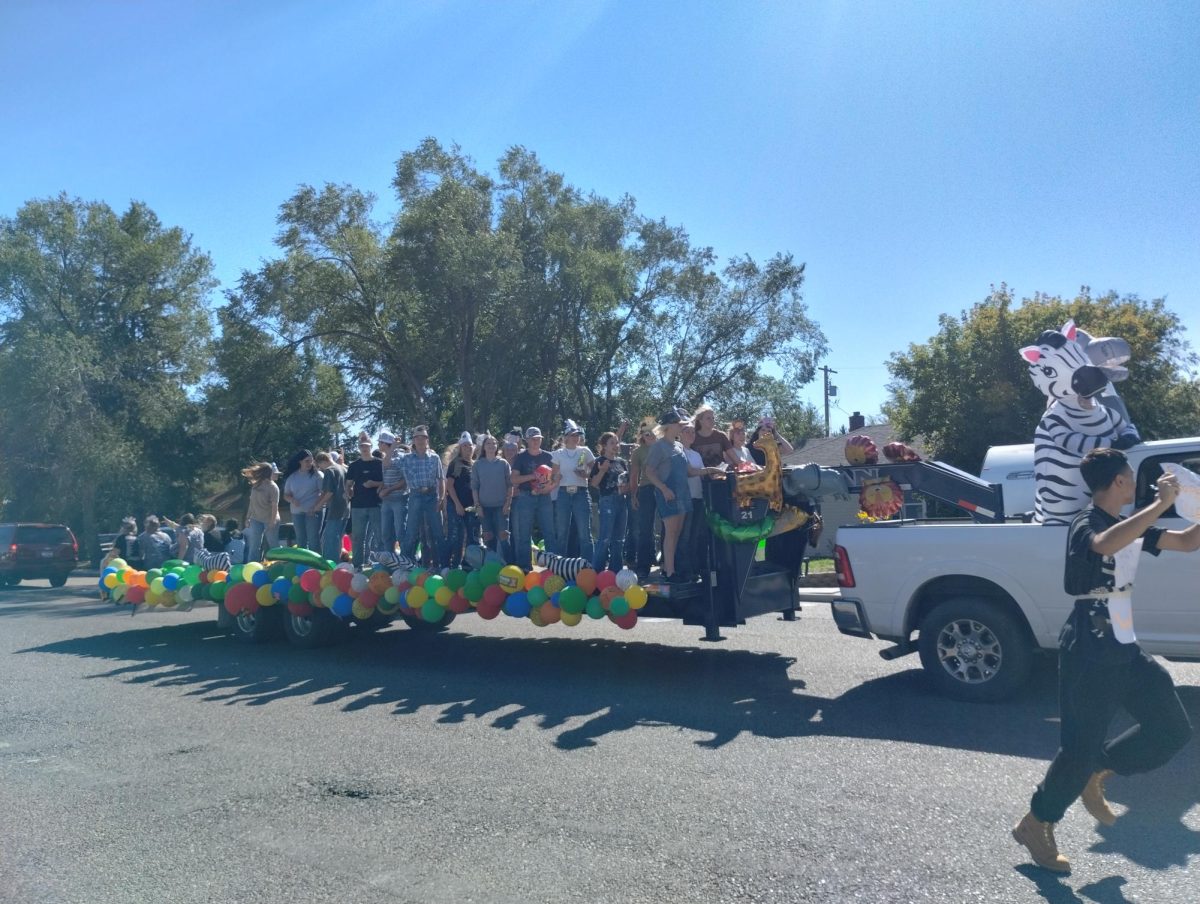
{"x":542,"y":597}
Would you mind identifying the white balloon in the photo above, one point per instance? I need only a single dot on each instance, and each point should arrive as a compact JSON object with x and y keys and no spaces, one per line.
{"x":626,"y":578}
{"x":359,"y":582}
{"x":399,"y":576}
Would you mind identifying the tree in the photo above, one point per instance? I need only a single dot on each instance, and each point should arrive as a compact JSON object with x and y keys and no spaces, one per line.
{"x":967,"y":388}
{"x":104,"y":334}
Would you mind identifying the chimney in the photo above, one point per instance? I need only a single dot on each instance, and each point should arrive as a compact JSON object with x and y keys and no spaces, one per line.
{"x":857,"y":421}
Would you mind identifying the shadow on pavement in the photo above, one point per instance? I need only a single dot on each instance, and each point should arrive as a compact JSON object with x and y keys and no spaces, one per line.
{"x":40,"y":599}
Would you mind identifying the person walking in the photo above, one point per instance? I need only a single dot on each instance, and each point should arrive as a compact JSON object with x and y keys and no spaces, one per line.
{"x":573,"y":463}
{"x":333,"y":500}
{"x":426,"y":479}
{"x":534,"y":479}
{"x":393,"y":494}
{"x":262,"y":514}
{"x":491,"y":488}
{"x":364,"y":476}
{"x":667,"y":470}
{"x":1101,"y":667}
{"x":610,"y":477}
{"x":302,"y":490}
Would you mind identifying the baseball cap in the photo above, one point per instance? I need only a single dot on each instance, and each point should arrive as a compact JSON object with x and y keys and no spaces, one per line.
{"x":388,"y":439}
{"x":532,"y":432}
{"x":421,"y":430}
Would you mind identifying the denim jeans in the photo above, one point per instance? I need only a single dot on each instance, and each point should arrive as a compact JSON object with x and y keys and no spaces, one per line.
{"x":647,"y":508}
{"x":331,"y":539}
{"x":495,"y":523}
{"x":308,"y":530}
{"x":423,"y":509}
{"x":575,"y":506}
{"x":394,"y":512}
{"x":460,"y":529}
{"x":526,"y":509}
{"x":254,"y":533}
{"x":364,"y":530}
{"x":614,"y":516}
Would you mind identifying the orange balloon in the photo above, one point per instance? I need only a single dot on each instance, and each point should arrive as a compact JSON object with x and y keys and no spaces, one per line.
{"x":534,"y":579}
{"x":608,"y":594}
{"x":586,"y":580}
{"x":550,"y":613}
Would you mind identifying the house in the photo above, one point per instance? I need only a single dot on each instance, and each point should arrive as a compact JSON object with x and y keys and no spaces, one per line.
{"x":830,"y":452}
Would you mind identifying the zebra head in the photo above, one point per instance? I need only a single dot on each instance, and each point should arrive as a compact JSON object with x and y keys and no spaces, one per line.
{"x":1059,"y":366}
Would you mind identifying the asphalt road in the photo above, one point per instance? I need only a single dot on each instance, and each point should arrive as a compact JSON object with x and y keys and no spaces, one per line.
{"x":150,"y":760}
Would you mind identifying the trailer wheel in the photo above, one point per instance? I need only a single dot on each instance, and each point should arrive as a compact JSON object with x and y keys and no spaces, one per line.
{"x":317,"y":629}
{"x":973,"y":650}
{"x":419,"y":624}
{"x":257,"y":627}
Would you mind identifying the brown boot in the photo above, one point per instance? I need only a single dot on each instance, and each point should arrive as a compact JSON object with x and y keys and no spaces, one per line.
{"x":1093,"y":797}
{"x":1038,"y":837}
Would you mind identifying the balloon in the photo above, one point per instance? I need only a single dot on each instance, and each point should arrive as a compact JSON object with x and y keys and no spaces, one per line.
{"x":280,"y":587}
{"x":494,"y":596}
{"x":490,"y":572}
{"x":311,"y":580}
{"x":416,"y":597}
{"x":618,"y":607}
{"x":361,"y":612}
{"x":264,"y":596}
{"x":534,"y":579}
{"x":170,"y":581}
{"x":608,"y":595}
{"x":343,"y":605}
{"x":443,"y":595}
{"x":399,"y":576}
{"x":594,"y":609}
{"x":473,"y":592}
{"x":109,"y":580}
{"x":218,"y":591}
{"x":433,"y":584}
{"x":511,"y":579}
{"x":296,"y":594}
{"x":432,"y":612}
{"x":487,"y":611}
{"x":367,"y":600}
{"x":456,"y":579}
{"x":586,"y":581}
{"x":391,"y":596}
{"x":459,"y":604}
{"x":358,"y":583}
{"x":300,"y":609}
{"x":553,"y":584}
{"x":572,"y":599}
{"x":626,"y":579}
{"x":136,"y":594}
{"x":157,"y":586}
{"x":260,"y":578}
{"x":571,"y":618}
{"x":191,"y":575}
{"x":636,"y":596}
{"x":342,"y":580}
{"x":627,"y":621}
{"x":238,"y":597}
{"x":415,"y":576}
{"x":250,"y":569}
{"x":380,"y":581}
{"x":549,"y":612}
{"x":517,"y":604}
{"x":184,"y":593}
{"x":328,"y":595}
{"x":537,"y":595}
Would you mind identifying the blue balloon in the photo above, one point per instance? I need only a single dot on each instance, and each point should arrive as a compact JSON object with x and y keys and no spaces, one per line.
{"x":281,"y":587}
{"x":170,"y":581}
{"x":517,"y":604}
{"x":343,"y":605}
{"x":108,"y":570}
{"x":261,"y":578}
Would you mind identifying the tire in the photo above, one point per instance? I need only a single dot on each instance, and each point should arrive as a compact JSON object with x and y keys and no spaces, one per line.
{"x":320,"y":628}
{"x":224,"y":619}
{"x":974,"y":650}
{"x":59,"y":580}
{"x":259,"y":627}
{"x":419,"y":624}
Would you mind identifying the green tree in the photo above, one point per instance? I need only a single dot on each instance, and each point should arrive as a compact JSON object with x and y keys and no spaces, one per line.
{"x":967,"y":388}
{"x":103,"y":338}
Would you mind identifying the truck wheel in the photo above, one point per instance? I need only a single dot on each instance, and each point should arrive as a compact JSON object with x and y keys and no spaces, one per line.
{"x":419,"y":624}
{"x":317,"y":629}
{"x":59,"y":580}
{"x":974,"y":650}
{"x":257,"y":627}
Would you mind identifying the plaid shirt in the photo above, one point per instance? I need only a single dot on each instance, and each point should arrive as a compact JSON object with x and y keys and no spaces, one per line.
{"x":422,"y":471}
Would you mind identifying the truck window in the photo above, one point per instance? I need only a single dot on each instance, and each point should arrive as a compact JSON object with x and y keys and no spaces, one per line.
{"x":1151,"y":469}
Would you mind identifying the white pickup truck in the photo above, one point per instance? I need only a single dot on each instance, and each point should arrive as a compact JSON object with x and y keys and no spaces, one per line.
{"x":984,"y":598}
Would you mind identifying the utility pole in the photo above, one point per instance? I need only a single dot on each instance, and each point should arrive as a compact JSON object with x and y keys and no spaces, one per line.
{"x":827,"y":371}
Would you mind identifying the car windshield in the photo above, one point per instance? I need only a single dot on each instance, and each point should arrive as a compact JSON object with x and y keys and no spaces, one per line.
{"x":46,"y":536}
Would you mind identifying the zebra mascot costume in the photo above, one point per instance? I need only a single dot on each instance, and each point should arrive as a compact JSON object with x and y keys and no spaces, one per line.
{"x":1073,"y":370}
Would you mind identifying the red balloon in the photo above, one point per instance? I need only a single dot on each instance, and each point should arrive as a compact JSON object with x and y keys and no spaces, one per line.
{"x":135,"y":593}
{"x":459,"y":604}
{"x":239,"y":597}
{"x":301,"y":609}
{"x":310,"y":580}
{"x":488,"y":610}
{"x":494,"y":595}
{"x":368,"y":600}
{"x":628,"y":620}
{"x":342,"y":579}
{"x":605,"y":579}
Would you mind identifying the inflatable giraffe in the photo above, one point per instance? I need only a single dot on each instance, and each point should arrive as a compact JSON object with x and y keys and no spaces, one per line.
{"x":767,"y":483}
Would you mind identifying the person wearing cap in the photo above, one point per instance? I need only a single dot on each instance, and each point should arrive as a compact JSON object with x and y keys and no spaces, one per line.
{"x":462,"y":518}
{"x":363,"y":479}
{"x":667,"y":470}
{"x":262,"y":514}
{"x":532,"y":502}
{"x":491,"y":488}
{"x":642,"y":502}
{"x":393,"y":494}
{"x":426,"y":479}
{"x":573,"y":462}
{"x":333,"y":500}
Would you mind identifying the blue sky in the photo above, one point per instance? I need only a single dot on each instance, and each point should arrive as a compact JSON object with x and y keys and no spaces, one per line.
{"x":911,"y":154}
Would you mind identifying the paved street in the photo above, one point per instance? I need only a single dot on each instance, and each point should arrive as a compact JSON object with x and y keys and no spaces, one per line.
{"x":150,"y":760}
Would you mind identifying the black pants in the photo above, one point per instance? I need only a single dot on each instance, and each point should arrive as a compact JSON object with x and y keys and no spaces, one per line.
{"x":1090,"y":693}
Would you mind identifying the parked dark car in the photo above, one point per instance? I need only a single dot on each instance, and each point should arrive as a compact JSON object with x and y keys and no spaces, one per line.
{"x":36,"y":552}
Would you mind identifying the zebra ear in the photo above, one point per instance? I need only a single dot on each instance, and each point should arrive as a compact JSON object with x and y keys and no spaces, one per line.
{"x":1069,"y":330}
{"x":1032,"y":354}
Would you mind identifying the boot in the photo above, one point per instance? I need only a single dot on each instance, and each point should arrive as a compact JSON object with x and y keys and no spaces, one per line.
{"x":1038,"y":837}
{"x":1093,"y":797}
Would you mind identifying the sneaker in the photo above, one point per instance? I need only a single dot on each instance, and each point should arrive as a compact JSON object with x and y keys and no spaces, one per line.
{"x":679,"y":578}
{"x":1093,"y":798}
{"x":1038,"y":838}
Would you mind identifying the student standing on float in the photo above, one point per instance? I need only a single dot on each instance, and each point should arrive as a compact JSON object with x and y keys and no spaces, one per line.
{"x":393,"y":492}
{"x":573,"y":462}
{"x":1101,"y":667}
{"x":363,"y":479}
{"x":426,"y":479}
{"x":532,"y":502}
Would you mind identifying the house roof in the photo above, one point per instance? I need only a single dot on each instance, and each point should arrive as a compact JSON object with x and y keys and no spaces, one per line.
{"x":830,"y":451}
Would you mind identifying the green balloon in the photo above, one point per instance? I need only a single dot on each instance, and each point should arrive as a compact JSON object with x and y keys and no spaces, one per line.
{"x":297,"y":594}
{"x":619,"y":606}
{"x":474,"y":593}
{"x":490,"y":572}
{"x":537,"y":596}
{"x":433,"y":584}
{"x":217,"y":591}
{"x":432,"y":611}
{"x":456,"y":579}
{"x":572,"y":599}
{"x":593,"y":608}
{"x":191,"y":575}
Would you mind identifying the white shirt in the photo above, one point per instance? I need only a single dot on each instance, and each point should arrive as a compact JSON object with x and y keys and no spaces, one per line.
{"x":694,"y":461}
{"x":570,"y":459}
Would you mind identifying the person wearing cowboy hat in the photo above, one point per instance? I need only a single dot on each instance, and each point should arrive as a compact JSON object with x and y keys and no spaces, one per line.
{"x":462,"y":519}
{"x":426,"y":479}
{"x":573,"y":463}
{"x":364,"y":476}
{"x":533,"y":498}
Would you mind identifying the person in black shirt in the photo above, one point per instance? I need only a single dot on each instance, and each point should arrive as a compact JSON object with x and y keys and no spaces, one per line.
{"x":1101,"y":667}
{"x":610,"y":477}
{"x":363,"y":479}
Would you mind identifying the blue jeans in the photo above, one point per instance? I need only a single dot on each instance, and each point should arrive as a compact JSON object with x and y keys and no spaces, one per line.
{"x":526,"y":509}
{"x":423,"y":509}
{"x":459,"y":529}
{"x":254,"y":533}
{"x":575,"y":506}
{"x":614,"y":516}
{"x":308,"y":530}
{"x":364,"y":530}
{"x":394,"y":511}
{"x":331,"y":539}
{"x":495,"y":524}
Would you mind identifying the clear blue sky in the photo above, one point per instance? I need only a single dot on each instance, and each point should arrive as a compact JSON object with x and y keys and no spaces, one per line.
{"x":912,"y":154}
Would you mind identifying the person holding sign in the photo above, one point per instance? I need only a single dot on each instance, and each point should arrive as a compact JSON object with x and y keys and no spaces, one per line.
{"x":1101,"y":666}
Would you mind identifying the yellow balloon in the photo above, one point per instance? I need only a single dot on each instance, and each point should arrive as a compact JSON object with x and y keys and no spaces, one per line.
{"x":250,"y":569}
{"x":264,"y":596}
{"x":571,"y":618}
{"x":360,"y":611}
{"x":110,"y":581}
{"x":443,"y":595}
{"x":157,"y":588}
{"x":553,"y":584}
{"x":536,"y":617}
{"x":636,"y":597}
{"x":417,"y":597}
{"x":511,"y":579}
